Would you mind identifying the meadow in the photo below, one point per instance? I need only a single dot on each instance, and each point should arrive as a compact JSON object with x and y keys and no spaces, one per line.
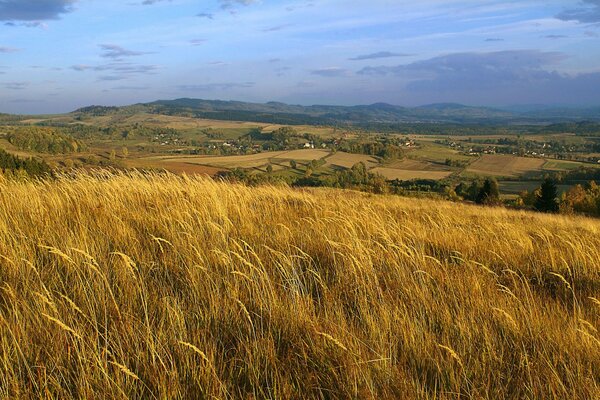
{"x":163,"y":286}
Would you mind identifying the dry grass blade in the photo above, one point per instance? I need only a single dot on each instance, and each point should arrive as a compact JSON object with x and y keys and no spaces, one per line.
{"x":508,"y":317}
{"x":452,"y":353}
{"x":333,"y":340}
{"x":562,"y":279}
{"x":125,"y":370}
{"x":62,"y":325}
{"x":196,"y":350}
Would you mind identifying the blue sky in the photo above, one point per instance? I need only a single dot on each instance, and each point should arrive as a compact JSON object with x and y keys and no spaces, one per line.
{"x":58,"y":55}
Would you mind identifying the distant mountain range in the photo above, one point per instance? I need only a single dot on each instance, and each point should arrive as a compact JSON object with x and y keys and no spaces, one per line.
{"x":378,"y":113}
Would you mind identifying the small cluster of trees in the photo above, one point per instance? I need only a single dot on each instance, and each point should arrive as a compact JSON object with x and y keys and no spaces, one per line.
{"x":583,"y":199}
{"x":456,"y":163}
{"x":579,"y":199}
{"x":487,"y":192}
{"x":313,"y":166}
{"x":14,"y":166}
{"x":480,"y":192}
{"x":544,"y":199}
{"x":577,"y":175}
{"x":357,"y":177}
{"x":386,"y":149}
{"x":280,"y":139}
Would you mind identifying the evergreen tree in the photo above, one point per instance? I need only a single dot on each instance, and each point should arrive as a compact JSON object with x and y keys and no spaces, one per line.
{"x":489,"y":193}
{"x":547,"y":200}
{"x":473,"y":191}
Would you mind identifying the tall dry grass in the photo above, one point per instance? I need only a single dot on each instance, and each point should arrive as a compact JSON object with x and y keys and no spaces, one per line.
{"x":131,"y":286}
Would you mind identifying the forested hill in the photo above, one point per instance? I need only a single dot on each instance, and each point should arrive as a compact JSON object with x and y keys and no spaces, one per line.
{"x":379,"y":113}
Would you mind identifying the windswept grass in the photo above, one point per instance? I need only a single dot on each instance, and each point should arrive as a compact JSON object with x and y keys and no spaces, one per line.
{"x":131,"y":286}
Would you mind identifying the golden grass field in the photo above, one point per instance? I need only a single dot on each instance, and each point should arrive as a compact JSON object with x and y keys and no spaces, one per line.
{"x":158,"y":286}
{"x":505,"y":165}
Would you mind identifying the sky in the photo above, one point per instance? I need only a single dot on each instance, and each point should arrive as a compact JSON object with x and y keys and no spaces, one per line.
{"x":59,"y":55}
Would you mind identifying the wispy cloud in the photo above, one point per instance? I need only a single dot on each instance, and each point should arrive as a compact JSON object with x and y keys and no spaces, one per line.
{"x":206,"y":15}
{"x":209,"y":87}
{"x":30,"y":24}
{"x":281,"y":71}
{"x":117,"y":70}
{"x":34,"y":10}
{"x":15,"y":85}
{"x":588,"y":12}
{"x":494,"y":40}
{"x":111,"y":77}
{"x":127,"y":68}
{"x":331,"y":72}
{"x":117,"y":52}
{"x":491,"y":78}
{"x":4,"y":49}
{"x":131,"y":88}
{"x":295,"y":7}
{"x":150,"y":2}
{"x":497,"y":64}
{"x":81,"y":67}
{"x":381,"y":54}
{"x":197,"y":42}
{"x":228,"y":4}
{"x":276,"y":28}
{"x":554,"y":37}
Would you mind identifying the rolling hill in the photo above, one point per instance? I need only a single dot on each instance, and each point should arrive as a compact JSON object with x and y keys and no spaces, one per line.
{"x":378,"y":113}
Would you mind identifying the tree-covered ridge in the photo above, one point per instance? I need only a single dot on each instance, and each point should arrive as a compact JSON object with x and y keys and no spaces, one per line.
{"x":379,"y":115}
{"x":42,"y":139}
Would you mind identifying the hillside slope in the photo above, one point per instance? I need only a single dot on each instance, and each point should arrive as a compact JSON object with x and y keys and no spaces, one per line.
{"x":168,"y":287}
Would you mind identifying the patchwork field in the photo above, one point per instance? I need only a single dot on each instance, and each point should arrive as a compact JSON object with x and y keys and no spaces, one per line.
{"x":436,"y":153}
{"x":505,"y":165}
{"x":347,"y":160}
{"x":174,"y":166}
{"x":417,"y":165}
{"x":245,"y":161}
{"x":403,"y":174}
{"x":302,"y":155}
{"x":561,"y":165}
